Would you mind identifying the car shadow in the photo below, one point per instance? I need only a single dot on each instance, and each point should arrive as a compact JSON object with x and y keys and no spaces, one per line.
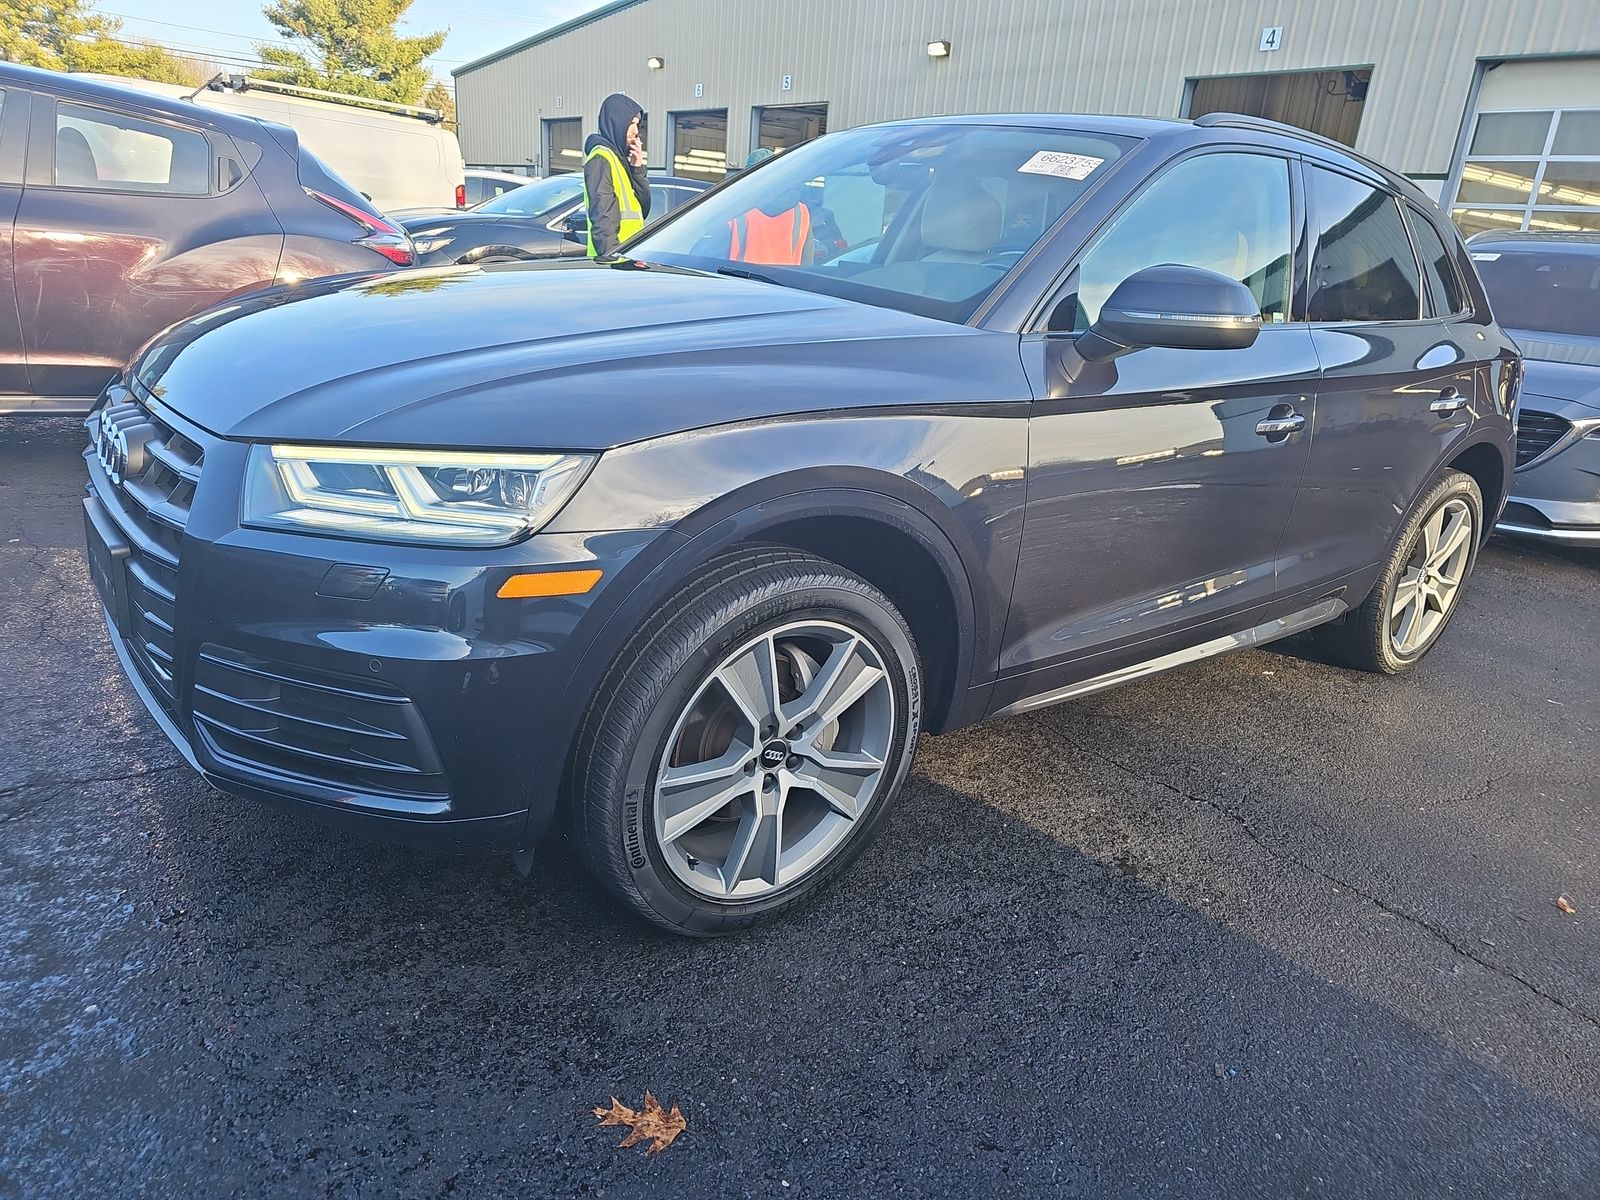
{"x":978,"y":1003}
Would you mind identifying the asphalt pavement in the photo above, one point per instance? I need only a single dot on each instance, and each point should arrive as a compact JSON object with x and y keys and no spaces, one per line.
{"x":1258,"y":928}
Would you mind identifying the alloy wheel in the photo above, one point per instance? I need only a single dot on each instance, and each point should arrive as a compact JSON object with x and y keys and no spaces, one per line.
{"x":1428,"y":589}
{"x":774,"y":761}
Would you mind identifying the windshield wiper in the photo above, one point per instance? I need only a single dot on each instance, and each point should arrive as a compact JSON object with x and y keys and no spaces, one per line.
{"x":741,"y":273}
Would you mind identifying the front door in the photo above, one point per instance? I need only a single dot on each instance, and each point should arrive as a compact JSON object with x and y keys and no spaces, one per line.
{"x":1401,"y":362}
{"x":13,"y":145}
{"x":121,"y":231}
{"x":1155,"y":503}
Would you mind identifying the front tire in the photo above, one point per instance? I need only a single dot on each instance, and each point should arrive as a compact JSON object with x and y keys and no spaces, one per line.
{"x":748,"y":743}
{"x":1420,"y":586}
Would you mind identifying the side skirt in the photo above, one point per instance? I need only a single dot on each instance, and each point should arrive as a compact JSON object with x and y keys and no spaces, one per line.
{"x":45,"y":406}
{"x":1317,"y":614}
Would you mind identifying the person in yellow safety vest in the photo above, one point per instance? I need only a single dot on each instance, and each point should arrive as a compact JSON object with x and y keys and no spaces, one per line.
{"x":616,"y":188}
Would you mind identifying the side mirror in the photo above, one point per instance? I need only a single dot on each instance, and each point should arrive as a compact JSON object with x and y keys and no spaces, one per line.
{"x":1178,"y":308}
{"x":576,"y":226}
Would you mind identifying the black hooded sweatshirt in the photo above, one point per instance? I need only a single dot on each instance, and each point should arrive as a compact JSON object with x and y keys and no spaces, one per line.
{"x":600,"y":198}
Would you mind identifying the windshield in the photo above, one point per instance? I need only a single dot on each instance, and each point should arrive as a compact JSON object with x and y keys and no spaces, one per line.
{"x":1543,"y":289}
{"x":532,"y":199}
{"x":926,"y":218}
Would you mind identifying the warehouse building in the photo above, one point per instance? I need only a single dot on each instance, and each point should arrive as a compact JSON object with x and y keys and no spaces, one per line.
{"x":1491,"y":105}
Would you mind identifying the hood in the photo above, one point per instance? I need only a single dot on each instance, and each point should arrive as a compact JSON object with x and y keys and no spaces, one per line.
{"x":422,"y":224}
{"x":1560,"y":368}
{"x":562,"y":356}
{"x":410,"y":216}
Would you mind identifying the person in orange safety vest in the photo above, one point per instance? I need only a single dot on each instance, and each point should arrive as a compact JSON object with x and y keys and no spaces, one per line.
{"x":780,"y":238}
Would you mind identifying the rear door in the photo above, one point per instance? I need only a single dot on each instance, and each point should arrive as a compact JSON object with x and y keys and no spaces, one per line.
{"x":13,"y":148}
{"x":125,"y":225}
{"x":1399,"y":382}
{"x":1155,"y":504}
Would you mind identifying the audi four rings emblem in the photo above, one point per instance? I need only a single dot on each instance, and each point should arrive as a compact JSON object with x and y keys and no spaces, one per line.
{"x":120,"y":440}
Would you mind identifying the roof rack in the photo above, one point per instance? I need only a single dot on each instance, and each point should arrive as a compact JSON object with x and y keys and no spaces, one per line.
{"x":1230,"y":120}
{"x":225,"y":82}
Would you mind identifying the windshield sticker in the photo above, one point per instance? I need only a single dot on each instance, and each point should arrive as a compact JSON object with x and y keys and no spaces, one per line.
{"x":1483,"y":256}
{"x":1063,"y":166}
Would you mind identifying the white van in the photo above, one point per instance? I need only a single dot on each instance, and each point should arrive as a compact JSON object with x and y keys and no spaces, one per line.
{"x":398,"y":155}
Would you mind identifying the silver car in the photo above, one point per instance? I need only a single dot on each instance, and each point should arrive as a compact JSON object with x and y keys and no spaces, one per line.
{"x":1545,"y":289}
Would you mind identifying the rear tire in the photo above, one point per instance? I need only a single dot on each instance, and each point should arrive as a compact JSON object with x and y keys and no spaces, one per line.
{"x":1420,"y":586}
{"x":748,"y":743}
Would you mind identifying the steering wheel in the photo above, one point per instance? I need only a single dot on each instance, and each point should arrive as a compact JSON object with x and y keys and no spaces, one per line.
{"x":1003,"y":261}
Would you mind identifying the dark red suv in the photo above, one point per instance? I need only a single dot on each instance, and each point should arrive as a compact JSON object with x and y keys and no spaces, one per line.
{"x":122,"y":212}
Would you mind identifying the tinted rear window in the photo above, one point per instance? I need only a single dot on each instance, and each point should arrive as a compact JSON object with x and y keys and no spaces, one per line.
{"x":1363,"y":269}
{"x":1542,"y":288}
{"x":1438,"y":267}
{"x":319,"y":177}
{"x":98,"y":148}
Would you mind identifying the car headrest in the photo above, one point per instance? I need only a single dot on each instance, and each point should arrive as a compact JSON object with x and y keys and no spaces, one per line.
{"x":75,"y":165}
{"x":960,"y":217}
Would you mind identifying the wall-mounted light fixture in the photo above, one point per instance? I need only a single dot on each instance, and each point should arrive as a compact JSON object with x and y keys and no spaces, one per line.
{"x":939,"y":49}
{"x":655,"y":62}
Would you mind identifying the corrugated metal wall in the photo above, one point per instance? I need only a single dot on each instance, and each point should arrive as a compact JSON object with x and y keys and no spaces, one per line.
{"x":867,"y":60}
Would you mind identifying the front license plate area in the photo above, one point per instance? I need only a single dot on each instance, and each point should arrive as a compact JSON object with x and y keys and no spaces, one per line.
{"x":108,"y":557}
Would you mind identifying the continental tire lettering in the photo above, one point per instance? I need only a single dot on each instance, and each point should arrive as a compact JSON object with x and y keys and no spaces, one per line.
{"x":631,"y":836}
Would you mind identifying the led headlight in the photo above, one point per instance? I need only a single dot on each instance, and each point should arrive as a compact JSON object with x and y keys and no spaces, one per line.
{"x":427,"y":245}
{"x":435,"y":497}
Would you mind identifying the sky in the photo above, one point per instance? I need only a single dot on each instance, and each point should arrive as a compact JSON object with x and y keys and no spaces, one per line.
{"x":229,"y":29}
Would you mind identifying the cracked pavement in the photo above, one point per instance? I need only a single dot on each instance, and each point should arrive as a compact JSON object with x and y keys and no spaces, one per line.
{"x":1257,"y":928}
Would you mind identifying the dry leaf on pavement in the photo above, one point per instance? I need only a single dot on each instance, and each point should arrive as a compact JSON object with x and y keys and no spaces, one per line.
{"x":659,"y":1125}
{"x":1565,"y":905}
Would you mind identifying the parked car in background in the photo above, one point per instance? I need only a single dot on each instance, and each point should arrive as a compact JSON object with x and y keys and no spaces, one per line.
{"x":122,"y":212}
{"x":486,"y":185}
{"x":480,"y":186}
{"x":696,"y":544}
{"x":1545,"y":288}
{"x":541,"y":219}
{"x":396,"y":155}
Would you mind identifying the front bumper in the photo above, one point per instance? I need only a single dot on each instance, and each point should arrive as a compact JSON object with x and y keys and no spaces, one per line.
{"x":1555,"y":493}
{"x":385,"y":686}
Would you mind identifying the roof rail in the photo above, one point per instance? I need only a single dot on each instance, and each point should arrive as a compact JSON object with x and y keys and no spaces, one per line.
{"x":1230,"y":120}
{"x":224,"y":82}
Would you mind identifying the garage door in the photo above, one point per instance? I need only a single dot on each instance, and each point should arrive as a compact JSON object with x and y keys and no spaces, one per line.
{"x":1533,"y":152}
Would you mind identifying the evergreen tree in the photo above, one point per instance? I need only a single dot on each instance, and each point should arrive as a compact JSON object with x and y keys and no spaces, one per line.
{"x":349,"y":46}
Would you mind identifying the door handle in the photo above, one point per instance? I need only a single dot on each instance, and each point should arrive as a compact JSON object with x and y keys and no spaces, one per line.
{"x":1449,"y":401}
{"x":1281,"y":426}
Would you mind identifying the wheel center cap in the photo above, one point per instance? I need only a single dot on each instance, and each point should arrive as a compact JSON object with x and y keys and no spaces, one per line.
{"x":774,"y":754}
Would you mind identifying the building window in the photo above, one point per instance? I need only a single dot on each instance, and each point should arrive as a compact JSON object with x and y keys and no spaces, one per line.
{"x":1532,"y":169}
{"x":700,"y":144}
{"x":1328,"y":102}
{"x":780,"y":127}
{"x":563,"y":145}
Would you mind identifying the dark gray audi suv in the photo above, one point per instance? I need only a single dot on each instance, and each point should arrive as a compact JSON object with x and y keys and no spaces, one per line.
{"x":687,"y":550}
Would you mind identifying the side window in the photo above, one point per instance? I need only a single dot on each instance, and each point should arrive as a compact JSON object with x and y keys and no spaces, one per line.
{"x":1362,"y":268}
{"x":664,"y":199}
{"x":1227,"y":213}
{"x":100,"y":149}
{"x":1445,"y":292}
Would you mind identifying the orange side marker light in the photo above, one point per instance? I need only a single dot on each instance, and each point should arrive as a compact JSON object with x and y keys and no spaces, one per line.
{"x":548,"y":583}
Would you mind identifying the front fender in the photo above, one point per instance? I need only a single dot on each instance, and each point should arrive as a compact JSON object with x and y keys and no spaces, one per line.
{"x":719,"y":488}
